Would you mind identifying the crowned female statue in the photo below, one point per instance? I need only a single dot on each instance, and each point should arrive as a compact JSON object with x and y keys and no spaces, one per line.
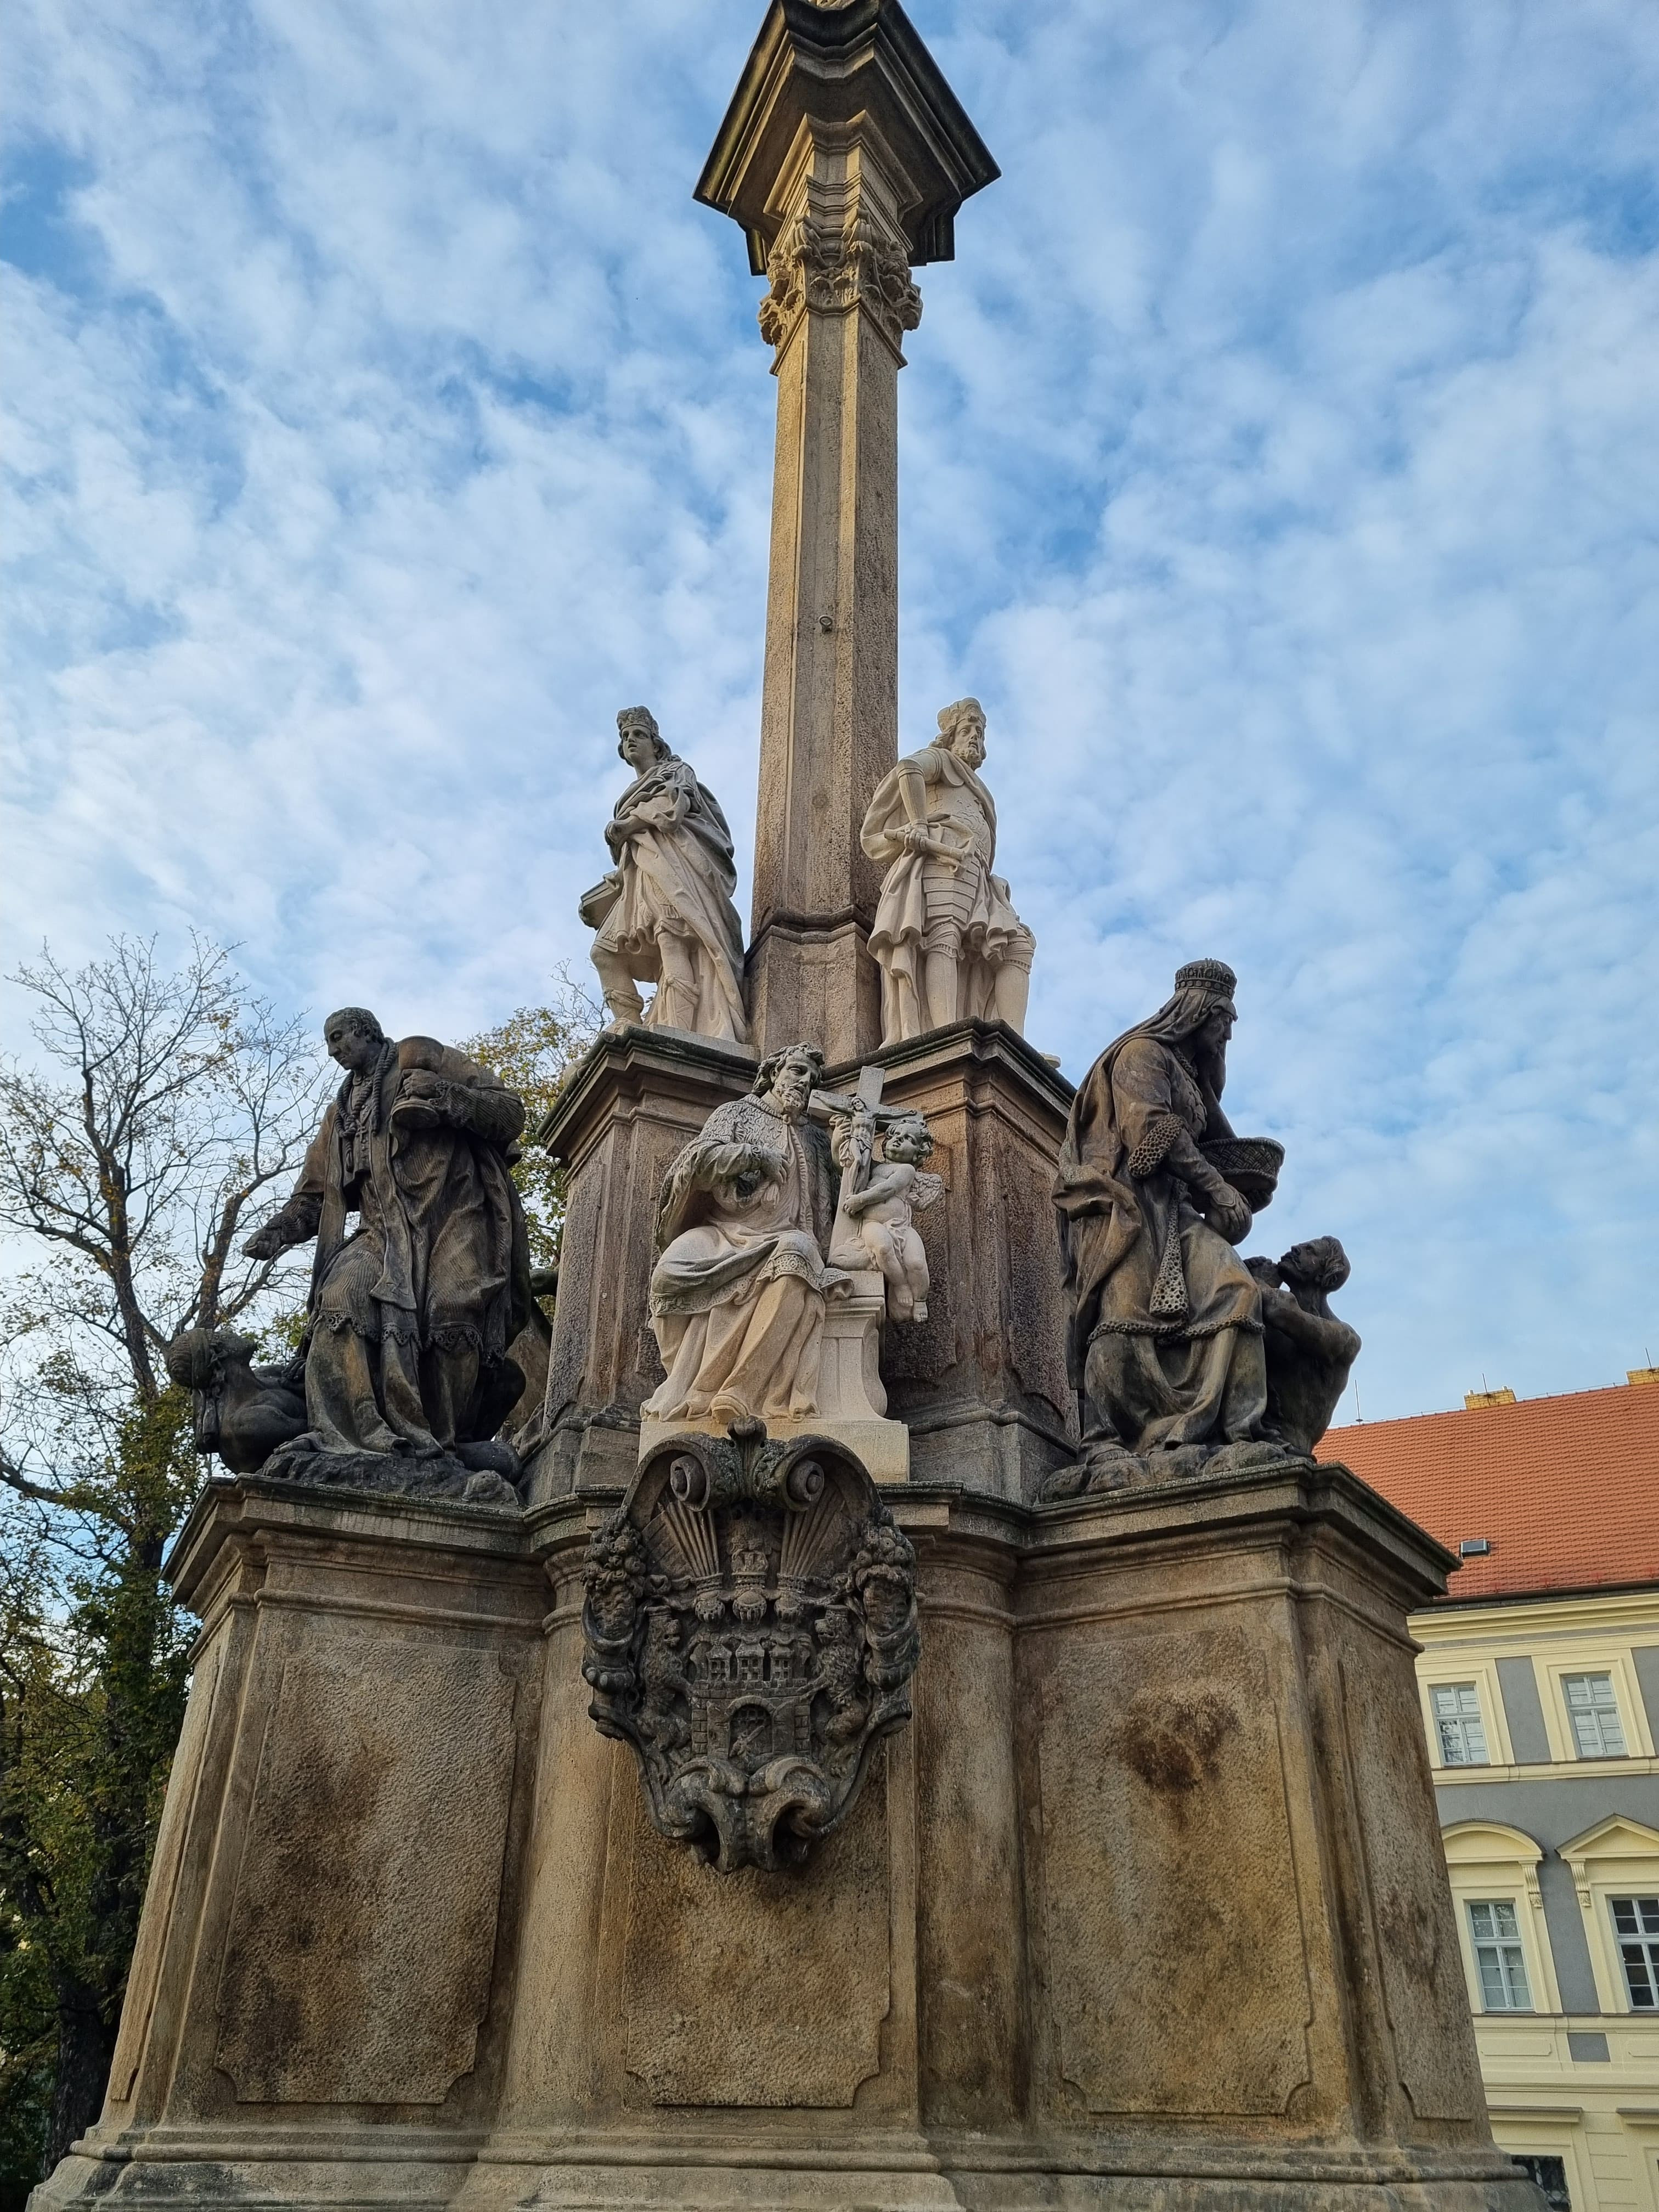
{"x":1166,"y":1334}
{"x":664,"y":913}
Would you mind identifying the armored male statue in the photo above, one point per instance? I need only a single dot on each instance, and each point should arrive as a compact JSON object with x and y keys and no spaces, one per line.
{"x":664,"y":913}
{"x":946,"y":939}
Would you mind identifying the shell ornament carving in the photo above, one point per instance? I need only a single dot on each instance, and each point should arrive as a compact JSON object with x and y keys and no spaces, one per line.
{"x":750,"y":1628}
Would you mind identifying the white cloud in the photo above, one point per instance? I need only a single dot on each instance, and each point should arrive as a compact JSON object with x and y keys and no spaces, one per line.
{"x":1278,"y":466}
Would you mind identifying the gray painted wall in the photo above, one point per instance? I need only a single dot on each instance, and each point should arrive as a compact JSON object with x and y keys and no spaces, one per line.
{"x":1523,"y":1709}
{"x":1646,"y":1657}
{"x":1550,"y":1811}
{"x":1565,"y":1923}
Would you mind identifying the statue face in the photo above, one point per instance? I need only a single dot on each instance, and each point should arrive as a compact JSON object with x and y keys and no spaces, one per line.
{"x":792,"y":1085}
{"x":350,"y":1047}
{"x":1213,"y":1032}
{"x":639,"y":748}
{"x":967,"y":740}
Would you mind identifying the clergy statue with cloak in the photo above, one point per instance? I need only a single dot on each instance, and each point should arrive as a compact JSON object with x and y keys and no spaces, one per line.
{"x":412,"y":1310}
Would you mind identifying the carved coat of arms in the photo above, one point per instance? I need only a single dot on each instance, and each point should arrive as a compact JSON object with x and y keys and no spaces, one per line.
{"x":750,"y":1628}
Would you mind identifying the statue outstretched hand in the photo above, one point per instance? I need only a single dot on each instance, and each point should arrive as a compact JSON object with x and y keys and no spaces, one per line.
{"x":266,"y":1244}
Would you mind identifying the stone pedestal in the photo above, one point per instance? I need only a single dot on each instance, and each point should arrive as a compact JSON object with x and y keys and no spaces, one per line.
{"x":981,"y":1385}
{"x":637,"y":1098}
{"x":1145,"y":1909}
{"x":320,"y":1999}
{"x":852,"y":1400}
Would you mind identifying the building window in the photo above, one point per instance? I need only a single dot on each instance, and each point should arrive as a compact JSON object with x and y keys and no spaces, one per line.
{"x":1458,"y":1725}
{"x":1502,"y":1971}
{"x":1636,"y":1924}
{"x":1549,"y":2176}
{"x":1594,"y":1711}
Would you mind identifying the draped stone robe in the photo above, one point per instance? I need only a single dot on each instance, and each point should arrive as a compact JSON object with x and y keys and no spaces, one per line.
{"x":675,"y":876}
{"x":412,"y":1312}
{"x":1165,"y":1339}
{"x":738,"y":1294}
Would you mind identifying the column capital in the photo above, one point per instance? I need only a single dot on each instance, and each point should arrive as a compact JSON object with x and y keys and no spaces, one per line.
{"x":852,"y":71}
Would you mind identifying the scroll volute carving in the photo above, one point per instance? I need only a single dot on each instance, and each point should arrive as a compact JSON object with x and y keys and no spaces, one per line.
{"x":750,"y":1628}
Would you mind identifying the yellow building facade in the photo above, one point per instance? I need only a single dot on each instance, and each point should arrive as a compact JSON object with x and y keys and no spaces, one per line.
{"x":1540,"y":1720}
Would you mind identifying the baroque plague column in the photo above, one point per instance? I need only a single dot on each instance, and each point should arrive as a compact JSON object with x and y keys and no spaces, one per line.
{"x":727,"y":1820}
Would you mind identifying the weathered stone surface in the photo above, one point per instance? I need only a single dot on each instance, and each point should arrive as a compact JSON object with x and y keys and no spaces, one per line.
{"x":1151,"y":1793}
{"x":701,"y":1953}
{"x":344,"y":1823}
{"x":351,"y":1976}
{"x":1158,"y":1734}
{"x":982,"y":1384}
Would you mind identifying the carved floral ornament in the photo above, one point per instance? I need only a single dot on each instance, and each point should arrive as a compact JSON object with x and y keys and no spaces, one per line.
{"x":813,"y":266}
{"x":750,"y":1628}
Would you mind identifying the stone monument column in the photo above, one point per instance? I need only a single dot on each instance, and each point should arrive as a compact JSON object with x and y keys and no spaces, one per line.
{"x":844,"y":156}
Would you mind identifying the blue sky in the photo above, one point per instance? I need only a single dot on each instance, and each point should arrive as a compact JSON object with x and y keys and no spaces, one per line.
{"x":1279,"y":466}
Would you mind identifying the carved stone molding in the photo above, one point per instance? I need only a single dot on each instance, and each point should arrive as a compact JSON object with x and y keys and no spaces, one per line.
{"x":815,"y":267}
{"x":750,"y":1628}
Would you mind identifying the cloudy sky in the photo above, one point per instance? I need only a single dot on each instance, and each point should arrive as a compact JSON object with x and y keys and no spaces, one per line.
{"x":1279,"y":466}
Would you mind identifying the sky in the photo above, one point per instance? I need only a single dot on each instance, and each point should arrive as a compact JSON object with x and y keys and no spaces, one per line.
{"x":1278,"y":464}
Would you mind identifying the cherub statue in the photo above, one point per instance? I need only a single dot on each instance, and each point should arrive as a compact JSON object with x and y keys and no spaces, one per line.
{"x":878,"y":1195}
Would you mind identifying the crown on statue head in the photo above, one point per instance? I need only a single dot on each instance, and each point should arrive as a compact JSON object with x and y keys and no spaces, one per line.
{"x":1206,"y":975}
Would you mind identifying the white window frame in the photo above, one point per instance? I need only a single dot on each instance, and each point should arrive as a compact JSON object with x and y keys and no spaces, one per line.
{"x":1461,"y":1721}
{"x":1598,"y":1658}
{"x":1600,"y":1718}
{"x":1487,"y":1861}
{"x":1645,"y":1937}
{"x":1509,"y":1946}
{"x":1617,"y":1857}
{"x":1445,"y":1670}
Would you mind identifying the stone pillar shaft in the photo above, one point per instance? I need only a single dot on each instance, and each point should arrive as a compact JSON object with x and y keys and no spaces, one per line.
{"x":844,"y":156}
{"x":839,"y":298}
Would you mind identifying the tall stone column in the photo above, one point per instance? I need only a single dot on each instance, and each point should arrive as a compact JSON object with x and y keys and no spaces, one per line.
{"x":845,"y":156}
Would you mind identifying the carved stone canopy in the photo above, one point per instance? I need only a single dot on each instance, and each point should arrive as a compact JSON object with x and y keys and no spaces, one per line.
{"x":750,"y":1629}
{"x":859,"y":63}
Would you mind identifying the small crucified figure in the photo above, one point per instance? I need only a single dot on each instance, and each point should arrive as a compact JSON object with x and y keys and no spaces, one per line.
{"x":875,"y":1227}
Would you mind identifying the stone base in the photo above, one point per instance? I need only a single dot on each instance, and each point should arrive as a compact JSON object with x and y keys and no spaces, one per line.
{"x":1147,"y":1907}
{"x":852,"y":1400}
{"x":171,"y":2171}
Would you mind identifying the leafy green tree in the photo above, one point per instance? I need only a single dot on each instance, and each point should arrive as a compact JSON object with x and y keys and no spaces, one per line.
{"x":159,"y":1109}
{"x":534,"y":1052}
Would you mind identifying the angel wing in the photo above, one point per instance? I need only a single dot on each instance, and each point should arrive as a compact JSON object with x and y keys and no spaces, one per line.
{"x":926,"y":1188}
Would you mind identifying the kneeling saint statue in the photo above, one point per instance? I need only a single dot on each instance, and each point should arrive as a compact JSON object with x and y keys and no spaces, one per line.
{"x":412,"y":1311}
{"x":737,"y":1293}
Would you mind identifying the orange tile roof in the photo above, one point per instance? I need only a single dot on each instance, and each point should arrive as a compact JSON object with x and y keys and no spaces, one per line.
{"x":1566,"y":1489}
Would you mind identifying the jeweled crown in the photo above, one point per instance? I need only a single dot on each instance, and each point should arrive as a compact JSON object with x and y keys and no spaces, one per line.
{"x":1206,"y":975}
